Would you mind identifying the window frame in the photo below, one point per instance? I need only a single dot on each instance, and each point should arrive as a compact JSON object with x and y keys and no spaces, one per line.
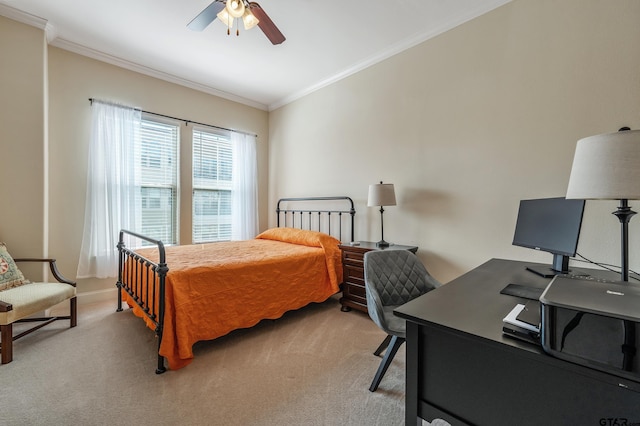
{"x":174,"y":187}
{"x":223,"y":231}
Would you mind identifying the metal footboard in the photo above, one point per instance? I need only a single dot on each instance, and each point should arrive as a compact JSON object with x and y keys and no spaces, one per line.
{"x":144,"y":282}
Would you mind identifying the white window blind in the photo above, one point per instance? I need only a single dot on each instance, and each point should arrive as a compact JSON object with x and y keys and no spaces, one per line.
{"x":158,"y":159}
{"x":212,"y":184}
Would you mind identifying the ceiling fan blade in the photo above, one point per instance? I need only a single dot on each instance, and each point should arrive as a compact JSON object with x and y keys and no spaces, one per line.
{"x":266,"y":24}
{"x":207,"y":16}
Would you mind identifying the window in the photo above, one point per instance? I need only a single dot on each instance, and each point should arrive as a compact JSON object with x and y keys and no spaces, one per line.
{"x":158,"y":190}
{"x":212,"y":185}
{"x":132,"y":184}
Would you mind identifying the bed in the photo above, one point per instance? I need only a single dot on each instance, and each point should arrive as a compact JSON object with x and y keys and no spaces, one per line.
{"x":203,"y":291}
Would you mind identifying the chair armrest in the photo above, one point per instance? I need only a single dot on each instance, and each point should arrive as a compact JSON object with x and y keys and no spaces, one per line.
{"x":5,"y":307}
{"x":52,"y":265}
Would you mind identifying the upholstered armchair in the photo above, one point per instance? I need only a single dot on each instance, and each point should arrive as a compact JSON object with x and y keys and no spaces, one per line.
{"x":392,"y":278}
{"x":21,"y":299}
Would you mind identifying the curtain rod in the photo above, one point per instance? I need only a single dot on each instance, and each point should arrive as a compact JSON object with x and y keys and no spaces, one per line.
{"x":186,"y":122}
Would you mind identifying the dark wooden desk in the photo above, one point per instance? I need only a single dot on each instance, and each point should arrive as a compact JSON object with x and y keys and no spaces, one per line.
{"x":461,"y":368}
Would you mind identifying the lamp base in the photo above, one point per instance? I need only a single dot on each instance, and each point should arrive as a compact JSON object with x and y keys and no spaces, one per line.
{"x":382,"y":244}
{"x":624,"y":214}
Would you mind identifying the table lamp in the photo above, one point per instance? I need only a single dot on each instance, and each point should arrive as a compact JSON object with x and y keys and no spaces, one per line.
{"x":381,"y":194}
{"x":607,"y":167}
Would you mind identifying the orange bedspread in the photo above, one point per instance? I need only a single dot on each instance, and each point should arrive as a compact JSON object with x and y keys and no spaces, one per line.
{"x":212,"y":289}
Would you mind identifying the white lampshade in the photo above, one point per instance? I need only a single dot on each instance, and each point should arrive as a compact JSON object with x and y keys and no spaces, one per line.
{"x":606,"y":167}
{"x":249,"y":20}
{"x":235,"y":8}
{"x":226,"y":19}
{"x":381,"y":194}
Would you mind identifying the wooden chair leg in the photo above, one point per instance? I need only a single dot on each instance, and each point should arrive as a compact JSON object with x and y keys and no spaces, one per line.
{"x":73,"y":312}
{"x":383,"y":345}
{"x":386,"y":361}
{"x":6,"y":331}
{"x":6,"y":334}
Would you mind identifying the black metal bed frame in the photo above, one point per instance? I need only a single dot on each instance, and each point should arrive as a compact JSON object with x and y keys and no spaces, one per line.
{"x":301,"y":215}
{"x":142,"y":279}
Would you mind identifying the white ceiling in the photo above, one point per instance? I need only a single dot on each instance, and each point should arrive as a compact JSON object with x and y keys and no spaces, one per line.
{"x":326,"y":40}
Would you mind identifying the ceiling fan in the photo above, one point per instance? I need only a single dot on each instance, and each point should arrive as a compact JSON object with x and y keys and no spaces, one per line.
{"x":229,"y":11}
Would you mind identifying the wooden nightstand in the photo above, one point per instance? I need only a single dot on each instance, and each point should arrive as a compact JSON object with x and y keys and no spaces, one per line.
{"x":353,"y":292}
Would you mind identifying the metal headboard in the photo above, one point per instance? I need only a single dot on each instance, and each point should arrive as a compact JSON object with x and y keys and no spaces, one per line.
{"x":317,"y":219}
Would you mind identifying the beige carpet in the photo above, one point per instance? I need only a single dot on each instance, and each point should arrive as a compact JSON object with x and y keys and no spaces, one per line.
{"x":310,"y":367}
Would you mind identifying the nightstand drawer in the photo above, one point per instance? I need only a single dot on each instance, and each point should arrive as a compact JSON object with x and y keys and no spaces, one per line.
{"x":353,"y":258}
{"x":359,"y":291}
{"x":353,"y":274}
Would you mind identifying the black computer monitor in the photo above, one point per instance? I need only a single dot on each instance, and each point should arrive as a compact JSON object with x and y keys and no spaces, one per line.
{"x":551,"y":225}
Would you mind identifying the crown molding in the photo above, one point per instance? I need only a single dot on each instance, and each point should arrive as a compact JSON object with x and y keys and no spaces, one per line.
{"x":51,"y":34}
{"x":52,"y":39}
{"x":132,"y":66}
{"x":388,"y":53}
{"x":23,"y":17}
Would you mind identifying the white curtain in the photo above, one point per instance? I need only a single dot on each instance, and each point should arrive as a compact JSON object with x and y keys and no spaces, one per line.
{"x":244,"y":194}
{"x":111,"y":186}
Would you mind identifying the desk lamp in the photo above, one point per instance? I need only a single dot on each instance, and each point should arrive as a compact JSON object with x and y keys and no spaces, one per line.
{"x":381,"y":194}
{"x":607,"y":167}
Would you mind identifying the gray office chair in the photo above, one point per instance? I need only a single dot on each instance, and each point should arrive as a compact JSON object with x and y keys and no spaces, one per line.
{"x":392,"y":278}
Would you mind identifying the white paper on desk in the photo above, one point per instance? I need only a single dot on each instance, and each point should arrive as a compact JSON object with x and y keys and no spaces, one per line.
{"x":511,"y":319}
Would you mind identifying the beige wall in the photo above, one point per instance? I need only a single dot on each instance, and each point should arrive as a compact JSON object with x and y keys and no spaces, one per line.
{"x":32,"y":75}
{"x":22,"y":127}
{"x":467,"y":124}
{"x":73,"y":79}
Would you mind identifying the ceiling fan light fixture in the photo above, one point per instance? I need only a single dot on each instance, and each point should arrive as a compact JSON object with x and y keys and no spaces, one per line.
{"x":227,"y":11}
{"x":225,"y":18}
{"x":249,"y":20}
{"x":235,"y":8}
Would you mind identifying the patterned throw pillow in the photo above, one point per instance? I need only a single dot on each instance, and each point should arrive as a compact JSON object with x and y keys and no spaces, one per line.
{"x":10,"y":275}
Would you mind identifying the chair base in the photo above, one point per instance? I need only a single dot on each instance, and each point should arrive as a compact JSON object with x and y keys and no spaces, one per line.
{"x":6,"y":331}
{"x":383,"y":345}
{"x":393,"y":343}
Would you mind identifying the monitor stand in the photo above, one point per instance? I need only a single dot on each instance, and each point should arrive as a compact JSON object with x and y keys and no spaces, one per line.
{"x":560,"y":266}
